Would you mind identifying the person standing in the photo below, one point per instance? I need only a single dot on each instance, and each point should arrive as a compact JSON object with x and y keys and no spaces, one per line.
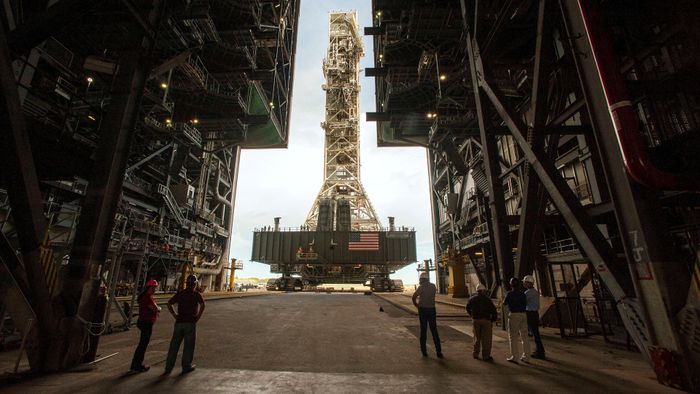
{"x":517,"y":322}
{"x":424,"y":300}
{"x":148,"y":314}
{"x":532,"y":312}
{"x":190,"y":306}
{"x":483,"y":313}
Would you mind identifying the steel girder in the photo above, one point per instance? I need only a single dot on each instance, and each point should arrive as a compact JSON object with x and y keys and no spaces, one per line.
{"x":634,"y":306}
{"x":104,"y":190}
{"x":660,"y":281}
{"x":25,"y":198}
{"x":341,"y":174}
{"x":533,"y":201}
{"x":499,"y":232}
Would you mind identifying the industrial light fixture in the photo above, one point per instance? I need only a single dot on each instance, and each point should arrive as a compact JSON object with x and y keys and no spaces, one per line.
{"x":91,"y":117}
{"x":443,"y":77}
{"x":379,"y":13}
{"x":163,"y":85}
{"x":381,"y":56}
{"x":281,"y":20}
{"x":195,"y":121}
{"x":272,"y":105}
{"x":168,"y":121}
{"x":478,"y":253}
{"x":90,"y":80}
{"x":431,"y":115}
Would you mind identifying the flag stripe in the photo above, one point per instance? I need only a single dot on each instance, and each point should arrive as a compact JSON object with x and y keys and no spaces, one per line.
{"x":363,"y":242}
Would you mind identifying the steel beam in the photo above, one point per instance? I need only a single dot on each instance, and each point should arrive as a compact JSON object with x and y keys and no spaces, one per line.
{"x":533,"y":201}
{"x":588,"y":236}
{"x":25,"y":197}
{"x":39,"y":28}
{"x":96,"y":222}
{"x":498,"y":227}
{"x":149,"y":157}
{"x":660,"y":279}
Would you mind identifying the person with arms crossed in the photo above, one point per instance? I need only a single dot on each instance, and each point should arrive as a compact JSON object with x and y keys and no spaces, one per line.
{"x":190,"y":306}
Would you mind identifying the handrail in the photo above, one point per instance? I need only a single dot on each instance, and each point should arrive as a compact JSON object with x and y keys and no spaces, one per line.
{"x":306,"y":228}
{"x":171,"y":203}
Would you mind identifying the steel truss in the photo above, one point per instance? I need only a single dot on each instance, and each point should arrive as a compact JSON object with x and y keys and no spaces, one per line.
{"x":124,"y":124}
{"x":529,"y":170}
{"x":341,"y":171}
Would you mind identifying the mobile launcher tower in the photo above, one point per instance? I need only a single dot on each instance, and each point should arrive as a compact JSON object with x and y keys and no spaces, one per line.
{"x":342,"y":240}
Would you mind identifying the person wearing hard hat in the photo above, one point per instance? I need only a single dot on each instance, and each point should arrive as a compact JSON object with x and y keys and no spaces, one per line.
{"x":148,"y":314}
{"x":483,"y":313}
{"x":517,"y":322}
{"x":424,"y":300}
{"x":190,"y":306}
{"x":532,"y":311}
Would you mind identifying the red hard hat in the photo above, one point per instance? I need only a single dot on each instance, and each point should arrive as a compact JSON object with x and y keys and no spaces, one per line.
{"x":152,"y":283}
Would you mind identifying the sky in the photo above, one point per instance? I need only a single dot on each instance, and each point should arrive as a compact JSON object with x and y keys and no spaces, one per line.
{"x":285,"y":182}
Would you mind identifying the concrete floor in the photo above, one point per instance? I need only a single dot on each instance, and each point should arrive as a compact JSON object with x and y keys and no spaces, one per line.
{"x":325,"y":343}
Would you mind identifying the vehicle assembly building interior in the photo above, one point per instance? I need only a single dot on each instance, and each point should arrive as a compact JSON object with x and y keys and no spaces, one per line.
{"x":562,"y":140}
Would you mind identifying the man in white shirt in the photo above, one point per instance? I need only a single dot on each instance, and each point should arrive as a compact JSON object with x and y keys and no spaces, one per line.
{"x":533,"y":315}
{"x":424,"y":300}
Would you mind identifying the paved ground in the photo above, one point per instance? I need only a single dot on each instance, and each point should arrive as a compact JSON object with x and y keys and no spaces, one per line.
{"x":324,"y":343}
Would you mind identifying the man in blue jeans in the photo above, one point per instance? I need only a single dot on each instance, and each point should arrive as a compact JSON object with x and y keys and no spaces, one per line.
{"x":424,"y":300}
{"x":190,"y":306}
{"x":532,"y":312}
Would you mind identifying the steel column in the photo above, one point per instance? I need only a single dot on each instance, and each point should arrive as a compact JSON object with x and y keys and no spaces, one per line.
{"x":498,"y":226}
{"x":533,"y":200}
{"x":588,"y":236}
{"x":94,"y":229}
{"x":661,"y":280}
{"x":25,"y":197}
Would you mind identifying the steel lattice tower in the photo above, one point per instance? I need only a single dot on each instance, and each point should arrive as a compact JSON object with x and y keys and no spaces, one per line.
{"x":342,"y":145}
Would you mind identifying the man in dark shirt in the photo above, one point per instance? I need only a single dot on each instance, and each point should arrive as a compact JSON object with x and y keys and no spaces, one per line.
{"x":516,"y":302}
{"x":190,"y":306}
{"x":483,"y":313}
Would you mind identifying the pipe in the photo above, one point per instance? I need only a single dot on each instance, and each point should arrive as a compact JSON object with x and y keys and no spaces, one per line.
{"x":632,"y":146}
{"x":210,"y":271}
{"x":219,"y":197}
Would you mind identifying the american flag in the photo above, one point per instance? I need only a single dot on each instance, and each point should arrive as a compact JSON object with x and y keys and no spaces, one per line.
{"x":363,"y":242}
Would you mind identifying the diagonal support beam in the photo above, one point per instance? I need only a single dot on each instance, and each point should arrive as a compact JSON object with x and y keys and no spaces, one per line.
{"x":25,"y":197}
{"x":533,"y":200}
{"x":498,"y":226}
{"x":94,"y":229}
{"x":588,"y":236}
{"x":149,"y":157}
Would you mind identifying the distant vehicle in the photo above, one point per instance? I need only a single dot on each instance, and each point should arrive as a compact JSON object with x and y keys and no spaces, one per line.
{"x":398,"y":285}
{"x":272,"y":285}
{"x":285,"y":284}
